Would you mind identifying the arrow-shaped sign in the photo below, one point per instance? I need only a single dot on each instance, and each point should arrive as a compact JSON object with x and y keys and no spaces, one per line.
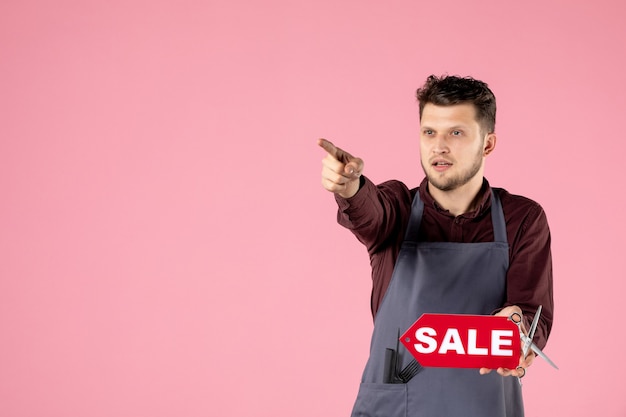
{"x":463,"y":341}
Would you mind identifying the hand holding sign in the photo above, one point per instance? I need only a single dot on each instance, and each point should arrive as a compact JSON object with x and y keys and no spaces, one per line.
{"x":524,"y":360}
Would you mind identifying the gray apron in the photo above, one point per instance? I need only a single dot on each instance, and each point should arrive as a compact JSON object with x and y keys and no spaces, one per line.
{"x":439,"y":277}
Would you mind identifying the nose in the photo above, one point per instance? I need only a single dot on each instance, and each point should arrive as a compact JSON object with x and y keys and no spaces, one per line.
{"x":440,"y":146}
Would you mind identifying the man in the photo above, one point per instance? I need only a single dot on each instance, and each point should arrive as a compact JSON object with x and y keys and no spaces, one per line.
{"x":452,"y":245}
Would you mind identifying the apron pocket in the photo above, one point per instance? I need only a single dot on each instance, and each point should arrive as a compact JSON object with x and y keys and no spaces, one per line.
{"x":381,"y":400}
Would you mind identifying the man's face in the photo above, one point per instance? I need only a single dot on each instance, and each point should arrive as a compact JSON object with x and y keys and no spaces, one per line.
{"x":452,"y":145}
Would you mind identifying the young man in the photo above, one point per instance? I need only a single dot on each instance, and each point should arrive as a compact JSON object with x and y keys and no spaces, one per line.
{"x":453,"y":245}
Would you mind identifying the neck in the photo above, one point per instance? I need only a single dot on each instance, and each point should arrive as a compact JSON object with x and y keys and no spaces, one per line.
{"x":460,"y":200}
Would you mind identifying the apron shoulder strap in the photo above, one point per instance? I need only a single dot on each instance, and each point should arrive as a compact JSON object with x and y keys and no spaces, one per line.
{"x":415,"y":219}
{"x":497,"y":218}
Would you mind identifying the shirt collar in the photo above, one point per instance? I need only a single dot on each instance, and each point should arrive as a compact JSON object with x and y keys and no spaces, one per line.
{"x":485,"y":200}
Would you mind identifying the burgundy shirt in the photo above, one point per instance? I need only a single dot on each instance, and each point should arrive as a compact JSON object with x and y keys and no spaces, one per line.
{"x":378,"y":216}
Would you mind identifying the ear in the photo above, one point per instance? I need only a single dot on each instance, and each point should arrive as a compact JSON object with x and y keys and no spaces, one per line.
{"x":490,"y":144}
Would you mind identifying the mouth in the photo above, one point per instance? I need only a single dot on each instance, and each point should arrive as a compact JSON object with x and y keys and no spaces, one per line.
{"x":441,"y":165}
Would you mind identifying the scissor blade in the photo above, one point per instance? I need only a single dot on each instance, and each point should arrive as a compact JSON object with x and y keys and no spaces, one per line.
{"x":533,"y":326}
{"x":531,"y":333}
{"x":542,"y":355}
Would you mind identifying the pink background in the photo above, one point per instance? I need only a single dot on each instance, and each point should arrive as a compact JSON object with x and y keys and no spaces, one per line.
{"x":166,"y":248}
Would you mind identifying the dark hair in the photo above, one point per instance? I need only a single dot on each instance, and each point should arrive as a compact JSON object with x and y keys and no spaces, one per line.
{"x":448,"y":90}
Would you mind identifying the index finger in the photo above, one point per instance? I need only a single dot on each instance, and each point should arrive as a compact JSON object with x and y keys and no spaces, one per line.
{"x":337,"y":153}
{"x":327,"y":145}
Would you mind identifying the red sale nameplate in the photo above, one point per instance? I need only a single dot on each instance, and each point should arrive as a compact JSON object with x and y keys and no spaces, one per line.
{"x":464,"y":341}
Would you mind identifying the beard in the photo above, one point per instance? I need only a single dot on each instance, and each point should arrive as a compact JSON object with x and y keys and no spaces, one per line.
{"x":449,"y":183}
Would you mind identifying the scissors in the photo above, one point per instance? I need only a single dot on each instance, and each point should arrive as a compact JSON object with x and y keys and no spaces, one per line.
{"x":527,"y":340}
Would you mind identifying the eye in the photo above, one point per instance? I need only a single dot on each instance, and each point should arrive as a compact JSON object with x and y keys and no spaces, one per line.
{"x":457,"y":133}
{"x":428,"y":132}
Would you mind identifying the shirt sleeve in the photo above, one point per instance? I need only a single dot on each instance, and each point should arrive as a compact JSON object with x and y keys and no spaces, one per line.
{"x":375,"y":214}
{"x":529,"y":278}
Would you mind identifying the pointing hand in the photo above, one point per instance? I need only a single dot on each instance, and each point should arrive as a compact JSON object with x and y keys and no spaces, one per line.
{"x":341,"y":171}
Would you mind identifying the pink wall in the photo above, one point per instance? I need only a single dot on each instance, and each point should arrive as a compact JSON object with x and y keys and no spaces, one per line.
{"x":166,"y":248}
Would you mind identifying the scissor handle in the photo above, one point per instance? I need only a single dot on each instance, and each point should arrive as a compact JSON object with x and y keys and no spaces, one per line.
{"x":516,"y":318}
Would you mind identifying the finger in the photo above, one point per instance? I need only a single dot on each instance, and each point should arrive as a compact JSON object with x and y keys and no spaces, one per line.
{"x":337,"y":188}
{"x":337,"y":153}
{"x":528,"y":360}
{"x":485,"y":371}
{"x":354,"y":168}
{"x":329,"y":162}
{"x":330,"y":174}
{"x":327,"y":146}
{"x":517,"y":372}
